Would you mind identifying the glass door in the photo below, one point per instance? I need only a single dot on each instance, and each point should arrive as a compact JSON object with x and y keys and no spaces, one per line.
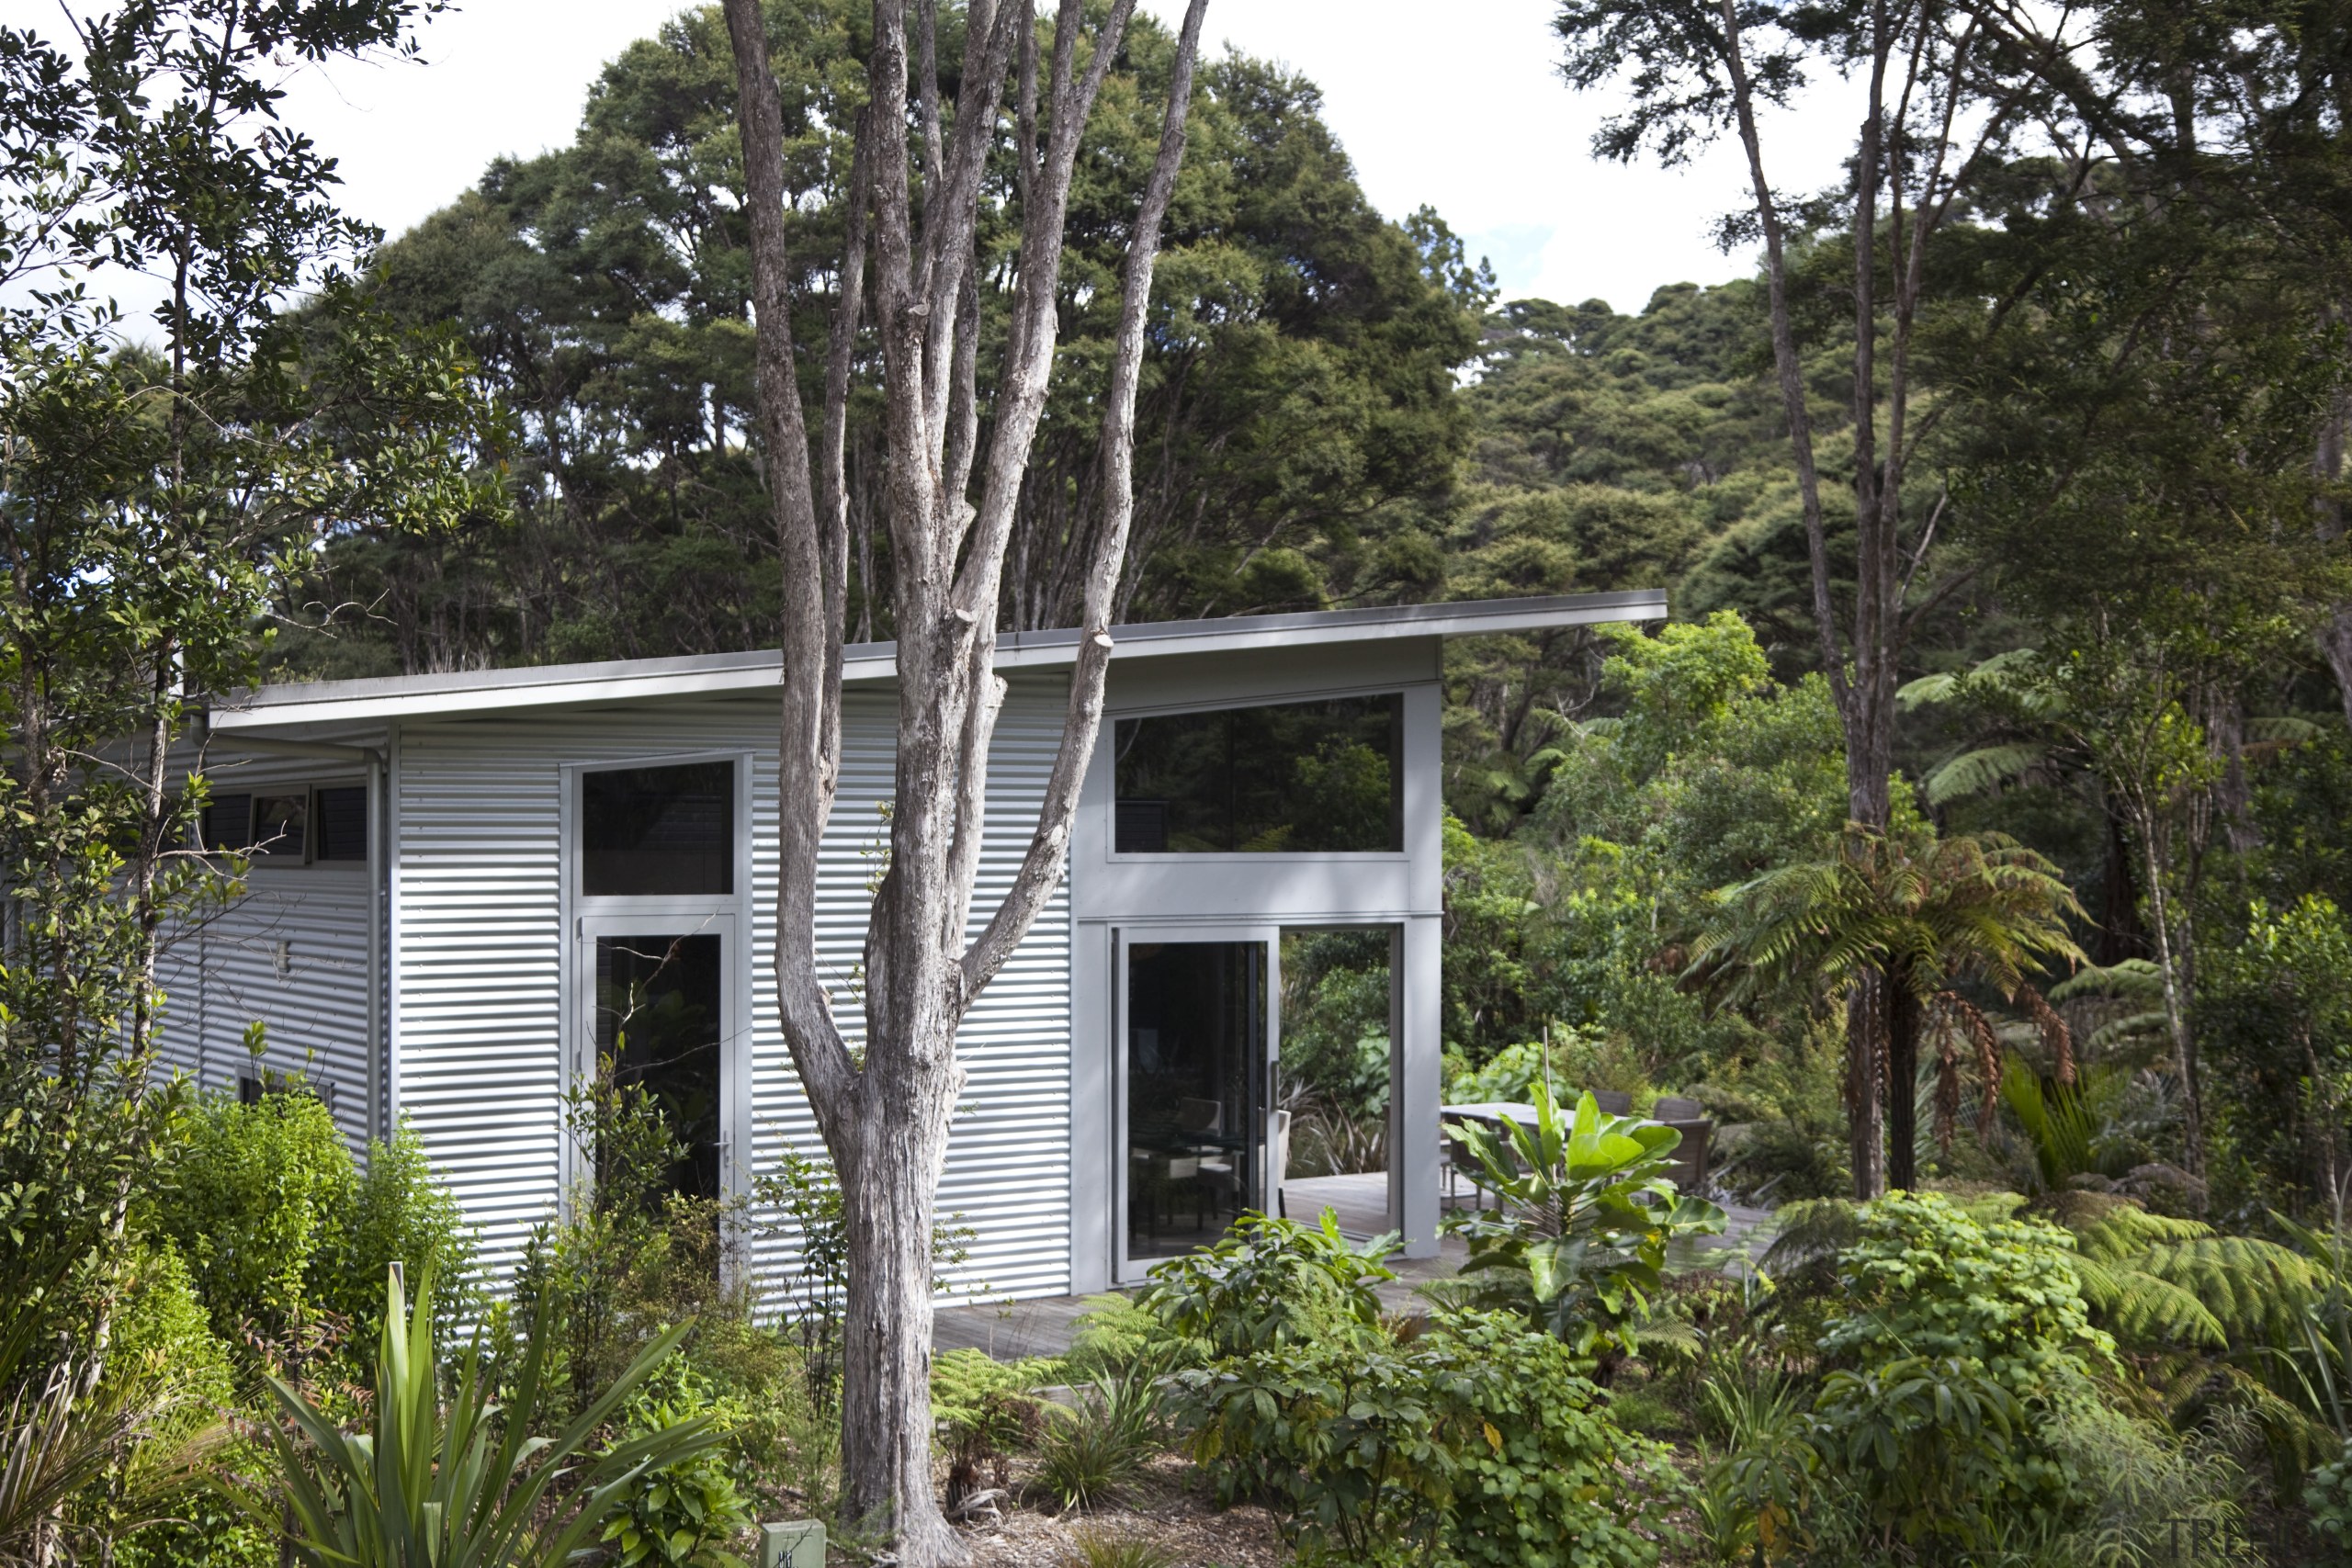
{"x":1200,"y":1134}
{"x":661,"y":1012}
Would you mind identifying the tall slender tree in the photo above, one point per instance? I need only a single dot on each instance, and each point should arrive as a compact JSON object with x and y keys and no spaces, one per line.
{"x":955,"y":457}
{"x":1939,"y":108}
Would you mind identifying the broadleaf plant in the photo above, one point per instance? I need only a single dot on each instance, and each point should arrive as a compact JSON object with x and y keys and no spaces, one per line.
{"x":1579,"y":1243}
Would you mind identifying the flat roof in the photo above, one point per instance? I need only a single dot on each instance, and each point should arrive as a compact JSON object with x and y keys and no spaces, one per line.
{"x":637,"y":679}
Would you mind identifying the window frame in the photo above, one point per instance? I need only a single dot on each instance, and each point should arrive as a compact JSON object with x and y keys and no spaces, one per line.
{"x":279,"y":862}
{"x":733,"y":916}
{"x":573,"y":837}
{"x":1107,"y":747}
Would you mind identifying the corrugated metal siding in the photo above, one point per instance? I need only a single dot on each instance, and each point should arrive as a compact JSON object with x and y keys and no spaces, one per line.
{"x":224,"y":974}
{"x":481,"y":958}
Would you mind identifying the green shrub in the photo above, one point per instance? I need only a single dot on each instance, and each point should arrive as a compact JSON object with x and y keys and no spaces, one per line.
{"x":1094,"y":1549}
{"x":1547,"y":1479}
{"x":453,"y":1470}
{"x":1966,"y":1343}
{"x":400,"y":1213}
{"x":687,"y":1514}
{"x":163,"y":1335}
{"x":2328,"y":1494}
{"x":1118,"y":1332}
{"x":161,"y":1329}
{"x":1578,"y":1244}
{"x":254,"y":1200}
{"x":988,"y":1410}
{"x":2139,"y":1484}
{"x":1271,"y":1282}
{"x":286,"y":1238}
{"x":1344,"y":1439}
{"x":1477,"y":1437}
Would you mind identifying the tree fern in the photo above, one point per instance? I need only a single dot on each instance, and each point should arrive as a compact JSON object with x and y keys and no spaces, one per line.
{"x":2156,"y":1281}
{"x":2258,"y":1290}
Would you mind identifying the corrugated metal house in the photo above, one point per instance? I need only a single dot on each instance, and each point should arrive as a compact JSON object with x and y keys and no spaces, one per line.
{"x":467,"y":887}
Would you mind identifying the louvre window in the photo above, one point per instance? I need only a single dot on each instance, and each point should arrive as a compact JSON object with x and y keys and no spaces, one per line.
{"x":227,"y":823}
{"x":1319,"y":777}
{"x":281,"y":827}
{"x":340,"y":823}
{"x":289,"y":825}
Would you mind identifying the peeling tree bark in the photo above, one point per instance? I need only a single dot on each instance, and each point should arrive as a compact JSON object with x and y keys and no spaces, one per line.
{"x":948,"y":498}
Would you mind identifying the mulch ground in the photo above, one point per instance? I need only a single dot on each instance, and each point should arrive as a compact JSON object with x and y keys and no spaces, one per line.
{"x":1170,"y":1509}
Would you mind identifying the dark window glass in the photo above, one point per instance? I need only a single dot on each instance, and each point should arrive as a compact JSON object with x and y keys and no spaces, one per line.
{"x":228,"y":822}
{"x":342,"y":825}
{"x":1312,"y":777}
{"x":1197,"y":1081}
{"x":658,"y":1023}
{"x":281,"y":826}
{"x":651,"y":831}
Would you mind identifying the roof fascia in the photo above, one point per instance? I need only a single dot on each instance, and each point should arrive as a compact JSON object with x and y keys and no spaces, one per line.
{"x":347,"y":702}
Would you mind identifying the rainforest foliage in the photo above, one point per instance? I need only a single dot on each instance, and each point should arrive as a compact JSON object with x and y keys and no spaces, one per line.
{"x":2121,"y":587}
{"x":1979,"y":820}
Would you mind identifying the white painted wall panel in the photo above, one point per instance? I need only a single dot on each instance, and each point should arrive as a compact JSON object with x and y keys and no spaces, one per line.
{"x":224,"y":973}
{"x":482,"y":951}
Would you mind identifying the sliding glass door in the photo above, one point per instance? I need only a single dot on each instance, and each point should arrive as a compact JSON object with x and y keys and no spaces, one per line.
{"x":1200,"y":1134}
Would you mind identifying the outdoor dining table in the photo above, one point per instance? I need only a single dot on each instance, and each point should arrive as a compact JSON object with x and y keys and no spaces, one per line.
{"x":1494,"y":1110}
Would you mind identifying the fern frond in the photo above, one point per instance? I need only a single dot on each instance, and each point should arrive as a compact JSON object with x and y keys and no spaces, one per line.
{"x":1929,"y":689}
{"x":2281,"y":730}
{"x":1973,"y":772}
{"x":1812,"y":1231}
{"x":2256,"y":1289}
{"x":2132,"y":979}
{"x":2138,"y":1026}
{"x":2143,"y":1309}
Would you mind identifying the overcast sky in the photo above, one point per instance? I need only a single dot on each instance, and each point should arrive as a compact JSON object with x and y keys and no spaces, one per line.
{"x":1467,"y":115}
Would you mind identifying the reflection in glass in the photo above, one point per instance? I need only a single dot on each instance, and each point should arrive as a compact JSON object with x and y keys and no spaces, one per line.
{"x":1196,"y":1114}
{"x":659,"y":1016}
{"x":658,"y":831}
{"x":280,"y":823}
{"x":1299,"y":778}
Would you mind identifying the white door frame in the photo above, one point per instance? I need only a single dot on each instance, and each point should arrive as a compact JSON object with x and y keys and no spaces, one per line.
{"x":671,"y":918}
{"x":1124,"y":935}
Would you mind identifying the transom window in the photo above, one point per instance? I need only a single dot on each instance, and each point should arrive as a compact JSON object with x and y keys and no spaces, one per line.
{"x":1317,"y":777}
{"x":658,"y":833}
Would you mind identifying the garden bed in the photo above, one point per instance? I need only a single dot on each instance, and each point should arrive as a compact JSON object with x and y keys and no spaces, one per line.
{"x":1170,"y":1509}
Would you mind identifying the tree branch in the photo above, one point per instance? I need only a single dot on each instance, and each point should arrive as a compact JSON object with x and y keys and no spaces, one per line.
{"x":811,"y":687}
{"x":1041,"y":867}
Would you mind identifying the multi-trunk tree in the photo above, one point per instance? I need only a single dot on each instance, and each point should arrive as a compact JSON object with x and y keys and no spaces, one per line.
{"x":955,"y":447}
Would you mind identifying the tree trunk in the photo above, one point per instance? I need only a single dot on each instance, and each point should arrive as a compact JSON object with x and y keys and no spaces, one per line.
{"x":2120,"y":936}
{"x":1865,"y":1096}
{"x":2335,"y":642}
{"x":2184,"y":1044}
{"x":887,"y":1197}
{"x":1902,"y":1011}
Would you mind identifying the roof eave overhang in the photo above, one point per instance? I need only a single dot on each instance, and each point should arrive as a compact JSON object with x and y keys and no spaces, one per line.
{"x":344,"y":703}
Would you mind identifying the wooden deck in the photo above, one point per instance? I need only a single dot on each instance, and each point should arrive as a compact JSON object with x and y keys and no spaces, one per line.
{"x":1045,"y":1326}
